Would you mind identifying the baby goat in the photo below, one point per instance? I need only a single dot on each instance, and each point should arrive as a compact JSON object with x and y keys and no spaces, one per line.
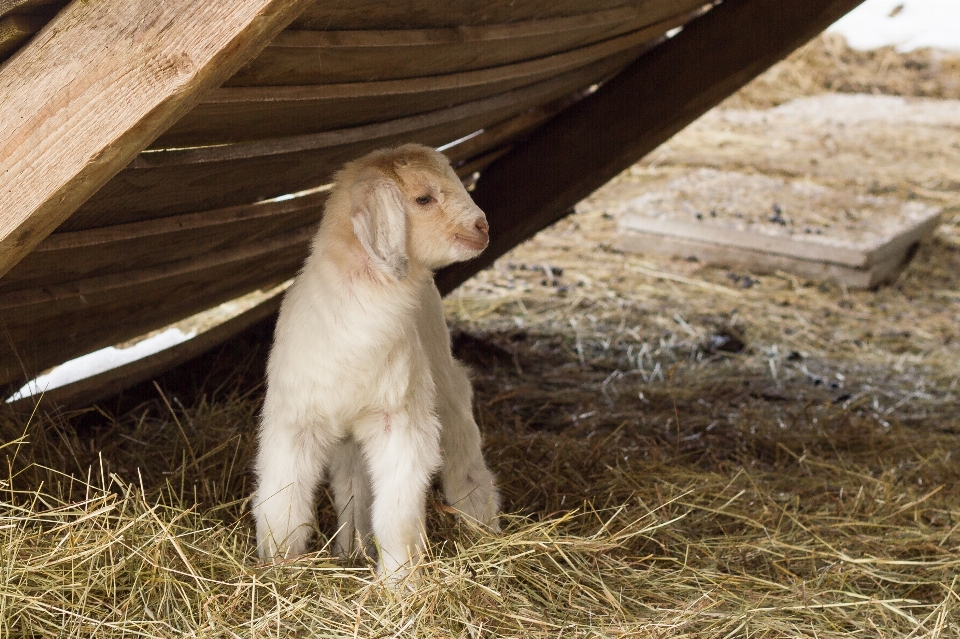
{"x":361,"y":382}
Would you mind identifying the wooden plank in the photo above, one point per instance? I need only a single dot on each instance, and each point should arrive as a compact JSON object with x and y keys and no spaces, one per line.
{"x":813,"y":222}
{"x":425,"y":14}
{"x":853,"y":256}
{"x":49,"y":301}
{"x":237,"y":114}
{"x":159,"y":184}
{"x":101,"y":82}
{"x":632,"y":114}
{"x":761,"y":262}
{"x":335,"y":57}
{"x":96,"y":387}
{"x":67,"y":257}
{"x":41,"y":336}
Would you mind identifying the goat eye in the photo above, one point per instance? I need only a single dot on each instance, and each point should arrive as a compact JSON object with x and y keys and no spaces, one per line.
{"x":424,"y":200}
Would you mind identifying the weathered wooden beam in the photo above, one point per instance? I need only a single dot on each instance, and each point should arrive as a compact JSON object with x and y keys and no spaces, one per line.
{"x":98,"y":84}
{"x":540,"y":180}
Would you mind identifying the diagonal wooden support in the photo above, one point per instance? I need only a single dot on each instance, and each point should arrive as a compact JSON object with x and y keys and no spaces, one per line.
{"x":574,"y":154}
{"x":98,"y":84}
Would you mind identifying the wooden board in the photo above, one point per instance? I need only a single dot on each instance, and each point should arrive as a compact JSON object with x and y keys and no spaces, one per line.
{"x":247,"y":113}
{"x":792,"y":218}
{"x":50,"y":301}
{"x":171,"y":183}
{"x":335,"y":57}
{"x":82,"y":255}
{"x":633,"y":113}
{"x":761,"y":262}
{"x":97,"y":85}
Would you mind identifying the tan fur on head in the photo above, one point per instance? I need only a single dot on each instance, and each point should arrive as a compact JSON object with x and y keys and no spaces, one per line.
{"x":407,"y":205}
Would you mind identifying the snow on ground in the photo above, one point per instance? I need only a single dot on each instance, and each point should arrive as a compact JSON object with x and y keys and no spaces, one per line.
{"x":100,"y":361}
{"x":906,"y":24}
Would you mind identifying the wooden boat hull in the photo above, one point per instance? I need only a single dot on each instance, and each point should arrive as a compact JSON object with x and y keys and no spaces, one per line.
{"x":187,"y":221}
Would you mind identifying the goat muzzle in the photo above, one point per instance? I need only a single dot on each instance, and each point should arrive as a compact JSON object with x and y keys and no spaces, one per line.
{"x":475,"y":238}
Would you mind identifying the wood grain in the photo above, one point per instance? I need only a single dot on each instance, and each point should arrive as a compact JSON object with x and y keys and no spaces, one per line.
{"x":98,"y":85}
{"x":63,"y":258}
{"x":636,"y":111}
{"x":423,"y":14}
{"x":159,"y":184}
{"x":336,"y":57}
{"x":236,"y":114}
{"x":53,"y":300}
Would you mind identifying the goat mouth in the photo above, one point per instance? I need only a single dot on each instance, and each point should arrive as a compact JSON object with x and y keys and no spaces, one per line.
{"x":475,"y":242}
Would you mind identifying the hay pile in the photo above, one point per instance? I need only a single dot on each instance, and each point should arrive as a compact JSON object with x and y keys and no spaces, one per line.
{"x":684,"y":451}
{"x":826,"y":64}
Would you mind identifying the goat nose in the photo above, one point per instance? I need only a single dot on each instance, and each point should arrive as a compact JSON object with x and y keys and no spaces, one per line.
{"x":482,"y":226}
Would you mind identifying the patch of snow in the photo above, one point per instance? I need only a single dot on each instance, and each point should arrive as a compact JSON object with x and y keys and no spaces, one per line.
{"x":100,"y":361}
{"x":916,"y":24}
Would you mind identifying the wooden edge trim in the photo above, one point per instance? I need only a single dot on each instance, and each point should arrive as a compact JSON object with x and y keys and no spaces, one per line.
{"x":636,"y":111}
{"x":108,"y":383}
{"x":903,"y":241}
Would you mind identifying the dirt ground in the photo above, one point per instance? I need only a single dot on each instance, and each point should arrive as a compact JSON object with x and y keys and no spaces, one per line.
{"x":684,"y":450}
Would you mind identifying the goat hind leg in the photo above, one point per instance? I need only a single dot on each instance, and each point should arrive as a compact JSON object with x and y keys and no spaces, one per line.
{"x":350,"y":484}
{"x":468,"y":484}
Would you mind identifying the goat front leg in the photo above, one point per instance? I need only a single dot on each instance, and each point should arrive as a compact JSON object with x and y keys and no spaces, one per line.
{"x":289,"y":466}
{"x":403,"y":453}
{"x":468,"y":485}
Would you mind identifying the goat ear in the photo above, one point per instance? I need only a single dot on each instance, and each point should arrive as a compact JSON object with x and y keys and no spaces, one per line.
{"x":379,"y":215}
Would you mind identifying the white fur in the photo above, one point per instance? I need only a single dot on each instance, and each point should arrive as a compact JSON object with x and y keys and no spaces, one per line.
{"x":361,"y":383}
